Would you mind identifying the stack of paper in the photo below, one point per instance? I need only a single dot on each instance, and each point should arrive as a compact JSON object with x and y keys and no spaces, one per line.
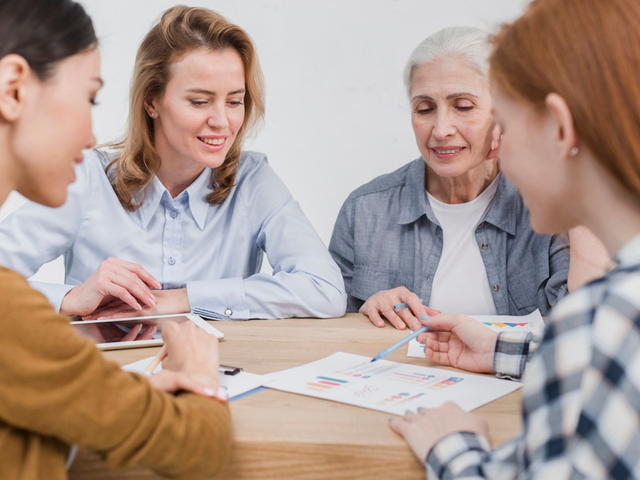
{"x":388,"y":386}
{"x":237,"y":384}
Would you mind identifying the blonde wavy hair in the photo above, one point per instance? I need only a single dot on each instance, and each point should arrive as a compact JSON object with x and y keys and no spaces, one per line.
{"x":181,"y":29}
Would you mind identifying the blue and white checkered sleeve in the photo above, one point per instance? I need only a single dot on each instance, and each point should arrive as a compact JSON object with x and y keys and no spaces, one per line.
{"x":469,"y":455}
{"x":512,"y":353}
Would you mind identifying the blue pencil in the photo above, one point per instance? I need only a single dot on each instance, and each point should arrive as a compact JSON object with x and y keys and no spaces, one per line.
{"x":402,"y":305}
{"x":400,"y":343}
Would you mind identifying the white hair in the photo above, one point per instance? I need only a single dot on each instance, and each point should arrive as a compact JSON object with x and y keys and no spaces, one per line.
{"x":469,"y":44}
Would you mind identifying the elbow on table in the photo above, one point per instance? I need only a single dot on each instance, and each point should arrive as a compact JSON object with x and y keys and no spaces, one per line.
{"x":333,"y":304}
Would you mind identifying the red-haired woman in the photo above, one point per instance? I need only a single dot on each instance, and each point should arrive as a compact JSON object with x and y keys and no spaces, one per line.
{"x":566,"y":94}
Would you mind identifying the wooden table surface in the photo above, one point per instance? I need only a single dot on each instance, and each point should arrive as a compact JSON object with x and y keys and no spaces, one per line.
{"x":279,"y":435}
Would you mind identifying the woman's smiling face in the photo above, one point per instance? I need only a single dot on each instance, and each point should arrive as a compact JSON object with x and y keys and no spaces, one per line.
{"x":197,"y":118}
{"x":451,"y":116}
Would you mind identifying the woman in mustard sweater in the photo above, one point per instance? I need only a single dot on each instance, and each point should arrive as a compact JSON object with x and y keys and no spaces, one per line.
{"x":56,"y":389}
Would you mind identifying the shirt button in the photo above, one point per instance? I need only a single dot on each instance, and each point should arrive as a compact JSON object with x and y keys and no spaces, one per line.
{"x":496,"y":287}
{"x":174,"y":214}
{"x":481,"y":225}
{"x":228,"y":312}
{"x":485,"y":246}
{"x":172,"y":261}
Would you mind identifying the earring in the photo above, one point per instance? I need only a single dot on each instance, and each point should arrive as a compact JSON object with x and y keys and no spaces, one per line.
{"x":152,"y":115}
{"x":573,"y":152}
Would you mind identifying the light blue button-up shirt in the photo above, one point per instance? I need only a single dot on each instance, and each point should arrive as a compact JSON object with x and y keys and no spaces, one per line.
{"x":215,"y":251}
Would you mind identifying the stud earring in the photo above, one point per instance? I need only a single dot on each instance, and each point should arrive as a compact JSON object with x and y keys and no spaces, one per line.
{"x":152,"y":115}
{"x":573,"y":152}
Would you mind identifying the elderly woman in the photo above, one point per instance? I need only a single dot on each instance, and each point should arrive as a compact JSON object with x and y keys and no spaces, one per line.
{"x":464,"y":244}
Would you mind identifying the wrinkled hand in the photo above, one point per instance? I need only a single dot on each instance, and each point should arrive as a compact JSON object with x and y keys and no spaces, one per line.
{"x":382,"y":304}
{"x":166,"y":302}
{"x":422,"y":430}
{"x":459,"y":341}
{"x":113,"y":279}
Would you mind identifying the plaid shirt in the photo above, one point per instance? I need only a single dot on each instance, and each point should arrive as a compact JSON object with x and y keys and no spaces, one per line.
{"x":581,"y":392}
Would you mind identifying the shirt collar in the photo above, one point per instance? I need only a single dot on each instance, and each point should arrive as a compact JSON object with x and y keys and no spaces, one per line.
{"x":196,"y":194}
{"x":629,"y":254}
{"x":504,"y":207}
{"x":413,"y":197}
{"x":151,"y":199}
{"x":415,"y":203}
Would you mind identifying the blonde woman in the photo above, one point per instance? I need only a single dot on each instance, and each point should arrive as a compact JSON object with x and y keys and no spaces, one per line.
{"x":176,"y":217}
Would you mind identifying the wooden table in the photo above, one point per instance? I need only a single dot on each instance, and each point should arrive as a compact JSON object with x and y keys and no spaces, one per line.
{"x":280,"y":435}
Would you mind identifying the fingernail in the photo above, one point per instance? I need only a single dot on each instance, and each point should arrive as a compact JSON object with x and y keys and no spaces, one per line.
{"x":152,"y":301}
{"x":209,"y":392}
{"x":424,"y":317}
{"x":222,"y":394}
{"x":138,"y":307}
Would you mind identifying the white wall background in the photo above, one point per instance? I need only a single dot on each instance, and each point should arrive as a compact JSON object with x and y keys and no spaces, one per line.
{"x":337,"y":115}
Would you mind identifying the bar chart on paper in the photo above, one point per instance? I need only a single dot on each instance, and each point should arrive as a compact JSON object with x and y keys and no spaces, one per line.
{"x":498,"y":323}
{"x":388,"y":386}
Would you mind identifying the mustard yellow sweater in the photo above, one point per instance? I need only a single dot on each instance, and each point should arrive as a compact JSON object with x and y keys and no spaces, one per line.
{"x":56,"y":389}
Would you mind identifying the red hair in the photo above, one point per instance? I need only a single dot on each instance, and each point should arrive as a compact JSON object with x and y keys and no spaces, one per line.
{"x":587,"y":51}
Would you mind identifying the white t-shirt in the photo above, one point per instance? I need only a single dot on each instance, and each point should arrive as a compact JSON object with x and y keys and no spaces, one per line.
{"x":460,"y":284}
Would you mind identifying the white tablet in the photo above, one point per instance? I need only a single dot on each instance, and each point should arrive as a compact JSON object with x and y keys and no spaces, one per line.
{"x":108,"y":334}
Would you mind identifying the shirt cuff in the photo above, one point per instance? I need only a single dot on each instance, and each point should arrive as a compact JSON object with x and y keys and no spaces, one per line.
{"x":222,"y":299}
{"x":459,"y":454}
{"x":55,"y":293}
{"x":511,"y":354}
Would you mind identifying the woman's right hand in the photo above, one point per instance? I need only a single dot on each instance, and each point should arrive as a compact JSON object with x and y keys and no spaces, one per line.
{"x":112,"y":279}
{"x":459,"y":341}
{"x":191,"y":363}
{"x":381,"y":304}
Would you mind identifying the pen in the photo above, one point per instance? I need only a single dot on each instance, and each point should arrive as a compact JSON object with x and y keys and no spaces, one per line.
{"x":403,"y":305}
{"x":156,"y":360}
{"x":400,"y":343}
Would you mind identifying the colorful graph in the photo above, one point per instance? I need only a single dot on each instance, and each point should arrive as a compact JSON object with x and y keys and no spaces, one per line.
{"x":365,"y":370}
{"x":323,"y":384}
{"x":410,"y":378}
{"x":445,"y":383}
{"x":367,"y":391}
{"x":502,"y":325}
{"x":398,"y":399}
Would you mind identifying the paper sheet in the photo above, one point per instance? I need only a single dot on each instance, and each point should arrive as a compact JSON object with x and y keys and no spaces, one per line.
{"x":235,"y":384}
{"x":388,"y":386}
{"x":498,"y":323}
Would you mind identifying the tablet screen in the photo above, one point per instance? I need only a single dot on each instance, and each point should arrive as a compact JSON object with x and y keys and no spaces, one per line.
{"x":126,"y":330}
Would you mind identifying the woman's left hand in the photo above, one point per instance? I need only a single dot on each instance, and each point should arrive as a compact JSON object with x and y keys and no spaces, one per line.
{"x":422,"y":430}
{"x":167,"y":302}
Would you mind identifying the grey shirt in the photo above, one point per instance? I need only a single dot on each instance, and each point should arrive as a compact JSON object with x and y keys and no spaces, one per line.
{"x":387,"y":236}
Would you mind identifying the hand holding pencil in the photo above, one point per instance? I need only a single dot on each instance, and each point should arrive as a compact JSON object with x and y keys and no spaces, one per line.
{"x":399,"y":306}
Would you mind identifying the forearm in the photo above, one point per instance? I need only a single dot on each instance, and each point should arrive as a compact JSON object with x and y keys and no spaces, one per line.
{"x":281,"y":295}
